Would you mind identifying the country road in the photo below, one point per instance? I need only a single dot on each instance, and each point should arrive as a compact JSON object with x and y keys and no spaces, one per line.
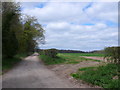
{"x":31,"y":73}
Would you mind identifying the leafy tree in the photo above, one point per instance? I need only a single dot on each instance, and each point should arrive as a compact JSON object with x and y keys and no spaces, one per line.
{"x":20,"y":34}
{"x":10,"y":17}
{"x":32,"y":34}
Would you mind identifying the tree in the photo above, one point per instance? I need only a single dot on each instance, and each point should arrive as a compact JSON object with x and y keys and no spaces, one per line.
{"x":32,"y":34}
{"x":10,"y":17}
{"x":20,"y":34}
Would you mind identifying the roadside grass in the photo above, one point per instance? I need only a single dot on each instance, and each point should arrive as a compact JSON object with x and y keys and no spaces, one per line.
{"x":104,"y":76}
{"x":10,"y":62}
{"x":66,"y":58}
{"x":49,"y":61}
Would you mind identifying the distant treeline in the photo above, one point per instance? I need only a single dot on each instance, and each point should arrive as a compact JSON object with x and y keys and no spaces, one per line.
{"x":70,"y":51}
{"x":75,"y":51}
{"x":65,"y":51}
{"x":97,"y":51}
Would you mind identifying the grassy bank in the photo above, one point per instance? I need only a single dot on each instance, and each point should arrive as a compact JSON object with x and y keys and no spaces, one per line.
{"x":66,"y":58}
{"x":49,"y":61}
{"x":9,"y":63}
{"x":104,"y":76}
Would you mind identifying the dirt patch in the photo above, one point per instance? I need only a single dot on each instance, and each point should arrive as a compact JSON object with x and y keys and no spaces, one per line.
{"x":95,"y":58}
{"x":64,"y":71}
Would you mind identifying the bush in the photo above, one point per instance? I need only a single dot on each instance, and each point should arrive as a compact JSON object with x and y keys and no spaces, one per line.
{"x":112,"y":54}
{"x":50,"y":61}
{"x":50,"y":52}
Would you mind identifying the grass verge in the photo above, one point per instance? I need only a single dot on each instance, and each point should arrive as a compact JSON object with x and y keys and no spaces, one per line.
{"x":48,"y":60}
{"x":10,"y":62}
{"x":105,"y":76}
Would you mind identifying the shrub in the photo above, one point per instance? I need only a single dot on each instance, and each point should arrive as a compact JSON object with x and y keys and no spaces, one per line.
{"x":50,"y":52}
{"x":50,"y":61}
{"x":112,"y":54}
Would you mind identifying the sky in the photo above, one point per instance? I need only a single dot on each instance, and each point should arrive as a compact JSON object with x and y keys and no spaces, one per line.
{"x":82,"y":26}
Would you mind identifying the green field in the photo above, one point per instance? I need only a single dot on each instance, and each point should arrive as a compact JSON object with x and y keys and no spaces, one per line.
{"x":104,"y":76}
{"x":74,"y":58}
{"x":84,"y":54}
{"x":68,"y":58}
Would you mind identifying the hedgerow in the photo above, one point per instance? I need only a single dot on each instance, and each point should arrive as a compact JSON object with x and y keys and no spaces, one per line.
{"x":112,"y":54}
{"x":50,"y":52}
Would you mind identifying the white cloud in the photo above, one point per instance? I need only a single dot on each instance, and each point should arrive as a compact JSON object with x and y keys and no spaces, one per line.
{"x":80,"y":37}
{"x":104,"y":11}
{"x":67,"y":24}
{"x":55,"y":12}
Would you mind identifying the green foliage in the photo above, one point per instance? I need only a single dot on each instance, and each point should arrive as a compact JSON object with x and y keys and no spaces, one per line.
{"x":102,"y":76}
{"x":112,"y":54}
{"x":10,"y":16}
{"x":32,"y":33}
{"x":50,"y":52}
{"x":19,"y":35}
{"x":49,"y":60}
{"x":50,"y":56}
{"x":10,"y":46}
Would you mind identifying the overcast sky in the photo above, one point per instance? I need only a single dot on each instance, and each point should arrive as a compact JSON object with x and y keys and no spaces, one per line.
{"x":76,"y":25}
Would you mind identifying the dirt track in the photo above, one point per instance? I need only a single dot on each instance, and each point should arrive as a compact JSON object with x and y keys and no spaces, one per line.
{"x":31,"y":73}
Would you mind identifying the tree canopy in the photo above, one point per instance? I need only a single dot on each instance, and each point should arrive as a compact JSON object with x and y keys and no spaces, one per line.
{"x":19,"y":34}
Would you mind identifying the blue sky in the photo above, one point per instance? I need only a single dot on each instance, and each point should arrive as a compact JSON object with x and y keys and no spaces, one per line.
{"x":79,"y":26}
